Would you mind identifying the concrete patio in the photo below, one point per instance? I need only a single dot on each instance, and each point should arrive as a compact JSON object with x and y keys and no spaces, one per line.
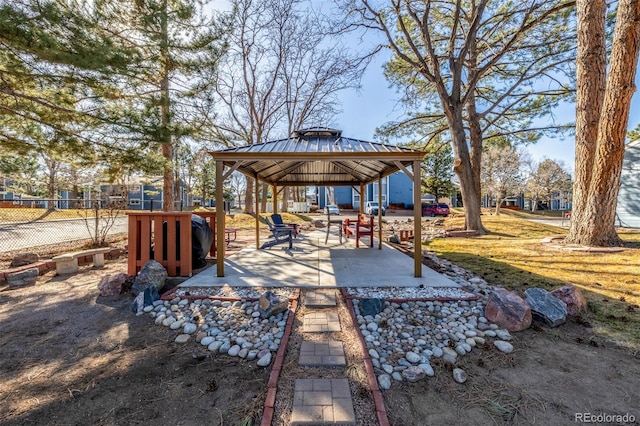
{"x":313,"y":264}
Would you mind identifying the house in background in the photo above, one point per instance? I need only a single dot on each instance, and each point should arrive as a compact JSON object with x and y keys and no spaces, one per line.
{"x":628,"y":209}
{"x":397,"y":191}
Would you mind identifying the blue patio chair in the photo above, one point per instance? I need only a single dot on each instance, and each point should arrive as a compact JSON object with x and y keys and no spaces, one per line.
{"x":277,"y":221}
{"x":280,"y":234}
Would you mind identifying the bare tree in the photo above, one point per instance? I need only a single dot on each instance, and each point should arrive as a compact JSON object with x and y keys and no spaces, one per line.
{"x":602,"y":113}
{"x":547,"y":179}
{"x":501,"y":176}
{"x":277,"y":76}
{"x":476,"y":64}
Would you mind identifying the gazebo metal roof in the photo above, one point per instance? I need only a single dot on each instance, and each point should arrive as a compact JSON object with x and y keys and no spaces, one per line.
{"x":318,"y":156}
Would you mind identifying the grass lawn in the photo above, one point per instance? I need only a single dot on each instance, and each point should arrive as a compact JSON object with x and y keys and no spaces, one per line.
{"x":512,"y":256}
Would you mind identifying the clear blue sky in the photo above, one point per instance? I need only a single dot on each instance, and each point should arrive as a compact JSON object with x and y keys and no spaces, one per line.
{"x":376,"y":104}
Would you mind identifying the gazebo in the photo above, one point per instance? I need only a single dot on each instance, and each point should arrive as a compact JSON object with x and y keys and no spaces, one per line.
{"x":322,"y":157}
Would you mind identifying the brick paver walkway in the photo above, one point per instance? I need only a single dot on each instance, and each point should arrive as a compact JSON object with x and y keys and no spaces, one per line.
{"x":322,"y":401}
{"x":316,"y":299}
{"x":330,"y":353}
{"x":318,"y":322}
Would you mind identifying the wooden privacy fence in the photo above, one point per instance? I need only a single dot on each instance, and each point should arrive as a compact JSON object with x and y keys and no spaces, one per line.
{"x":166,"y":238}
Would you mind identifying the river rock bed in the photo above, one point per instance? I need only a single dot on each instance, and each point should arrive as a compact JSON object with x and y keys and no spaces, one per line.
{"x":235,"y":292}
{"x":410,"y":293}
{"x":406,"y":335}
{"x":233,"y":328}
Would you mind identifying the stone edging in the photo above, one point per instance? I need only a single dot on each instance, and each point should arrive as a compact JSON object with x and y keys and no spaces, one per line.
{"x":381,"y":412}
{"x":270,"y":400}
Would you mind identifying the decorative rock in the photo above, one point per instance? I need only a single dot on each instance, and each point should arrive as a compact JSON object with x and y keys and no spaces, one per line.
{"x":545,"y":307}
{"x":437,"y":352}
{"x":503,"y":335}
{"x":234,"y":350}
{"x":384,"y":381}
{"x":224,"y":348}
{"x":412,"y":357}
{"x":459,"y":375}
{"x":23,"y":259}
{"x":270,"y":304}
{"x":508,"y":310}
{"x":572,"y":297}
{"x":23,"y":278}
{"x":371,"y":306}
{"x":189,"y":328}
{"x":206,"y":341}
{"x":428,"y":369}
{"x":264,"y":360}
{"x":182,"y":338}
{"x":252,"y":354}
{"x":152,"y":274}
{"x":503,"y":346}
{"x":374,"y":354}
{"x":111,"y":285}
{"x":387,"y":368}
{"x":214,"y":346}
{"x":396,"y":376}
{"x":176,"y":325}
{"x":413,"y":374}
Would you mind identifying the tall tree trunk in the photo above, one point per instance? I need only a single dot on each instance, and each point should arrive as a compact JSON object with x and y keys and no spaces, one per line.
{"x":248,"y":196}
{"x":167,"y":145}
{"x":285,"y":199}
{"x":591,"y":68}
{"x":463,"y":169}
{"x":263,"y":197}
{"x":595,"y":222}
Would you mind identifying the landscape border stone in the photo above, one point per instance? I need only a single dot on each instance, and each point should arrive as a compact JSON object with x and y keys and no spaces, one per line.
{"x":378,"y":400}
{"x":272,"y":386}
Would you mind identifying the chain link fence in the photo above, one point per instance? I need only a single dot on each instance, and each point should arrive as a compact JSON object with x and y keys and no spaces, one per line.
{"x":58,"y":225}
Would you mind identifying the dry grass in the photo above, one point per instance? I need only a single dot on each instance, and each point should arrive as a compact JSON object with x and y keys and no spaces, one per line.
{"x":29,"y":214}
{"x":512,"y":256}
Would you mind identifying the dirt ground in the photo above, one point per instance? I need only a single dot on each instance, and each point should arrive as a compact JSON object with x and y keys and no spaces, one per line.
{"x":71,"y":357}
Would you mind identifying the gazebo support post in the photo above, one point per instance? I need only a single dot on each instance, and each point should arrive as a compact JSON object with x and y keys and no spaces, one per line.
{"x":361,"y":208}
{"x":275,"y":198}
{"x":220,"y":246}
{"x":417,"y":219}
{"x":257,"y":209}
{"x":379,"y":212}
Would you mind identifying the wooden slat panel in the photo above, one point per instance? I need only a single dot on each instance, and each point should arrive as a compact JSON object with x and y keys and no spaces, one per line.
{"x":134,"y":244}
{"x":145,"y":239}
{"x":158,"y":241}
{"x":171,"y":245}
{"x":185,"y":246}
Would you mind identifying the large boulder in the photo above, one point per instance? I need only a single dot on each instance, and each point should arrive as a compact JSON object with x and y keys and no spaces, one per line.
{"x":111,"y":285}
{"x":270,"y":304}
{"x":22,"y":259}
{"x":508,"y":310}
{"x":574,"y":299}
{"x":23,"y":278}
{"x":545,"y":307}
{"x":152,"y":274}
{"x":371,"y":306}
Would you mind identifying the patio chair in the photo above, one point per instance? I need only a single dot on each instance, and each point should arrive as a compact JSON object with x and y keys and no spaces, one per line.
{"x":364,"y":228}
{"x":333,"y":222}
{"x":277,"y":221}
{"x":279,"y":234}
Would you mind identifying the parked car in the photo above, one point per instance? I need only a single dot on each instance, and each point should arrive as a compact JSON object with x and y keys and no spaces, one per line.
{"x":331,"y":209}
{"x":435,"y":209}
{"x":371,"y":208}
